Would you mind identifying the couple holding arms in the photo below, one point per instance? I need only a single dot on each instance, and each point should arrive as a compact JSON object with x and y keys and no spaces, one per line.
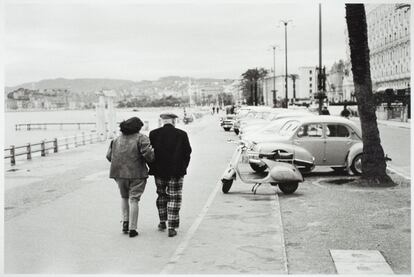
{"x":167,"y":153}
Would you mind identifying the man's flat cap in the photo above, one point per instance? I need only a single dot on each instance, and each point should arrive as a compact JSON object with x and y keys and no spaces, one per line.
{"x":168,"y":116}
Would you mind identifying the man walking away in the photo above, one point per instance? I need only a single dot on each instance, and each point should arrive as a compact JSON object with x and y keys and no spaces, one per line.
{"x":128,"y":154}
{"x":325,"y":111}
{"x":345,"y":112}
{"x":172,"y":155}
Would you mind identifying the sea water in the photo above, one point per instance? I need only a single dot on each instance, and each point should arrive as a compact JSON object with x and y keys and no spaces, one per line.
{"x":22,"y":137}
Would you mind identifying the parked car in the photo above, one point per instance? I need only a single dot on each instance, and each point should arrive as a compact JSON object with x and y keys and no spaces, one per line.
{"x":254,"y":113}
{"x":266,"y":133}
{"x":227,"y":121}
{"x":275,"y":115}
{"x":330,"y":141}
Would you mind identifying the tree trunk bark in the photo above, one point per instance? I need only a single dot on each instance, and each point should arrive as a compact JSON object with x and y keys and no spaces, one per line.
{"x":373,"y":160}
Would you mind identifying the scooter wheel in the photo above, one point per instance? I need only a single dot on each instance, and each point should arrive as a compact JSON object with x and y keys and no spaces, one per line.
{"x":289,"y":188}
{"x":226,"y":185}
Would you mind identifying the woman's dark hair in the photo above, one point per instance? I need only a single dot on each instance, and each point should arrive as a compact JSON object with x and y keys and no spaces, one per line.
{"x":131,"y":126}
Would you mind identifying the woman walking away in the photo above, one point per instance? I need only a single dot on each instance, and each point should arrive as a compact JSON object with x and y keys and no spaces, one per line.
{"x":128,"y":154}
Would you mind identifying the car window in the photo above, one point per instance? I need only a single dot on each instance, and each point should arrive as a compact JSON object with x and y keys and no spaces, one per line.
{"x":310,"y":130}
{"x":289,"y":128}
{"x":337,"y":130}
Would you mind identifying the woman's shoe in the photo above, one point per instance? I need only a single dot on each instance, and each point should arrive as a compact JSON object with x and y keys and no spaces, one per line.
{"x":172,"y":232}
{"x":162,"y":226}
{"x":133,"y":233}
{"x":125,"y":227}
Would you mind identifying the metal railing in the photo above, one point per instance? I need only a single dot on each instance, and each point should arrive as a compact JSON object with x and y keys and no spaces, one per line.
{"x":43,"y":126}
{"x":44,"y":146}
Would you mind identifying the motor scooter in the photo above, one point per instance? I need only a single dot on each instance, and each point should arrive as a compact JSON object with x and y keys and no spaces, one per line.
{"x":281,"y":171}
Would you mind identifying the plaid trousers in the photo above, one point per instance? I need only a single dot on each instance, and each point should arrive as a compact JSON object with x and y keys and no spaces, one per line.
{"x":169,"y":192}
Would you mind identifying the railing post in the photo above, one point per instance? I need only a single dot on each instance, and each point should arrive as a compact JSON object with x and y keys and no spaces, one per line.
{"x":29,"y":151}
{"x":66,"y":142}
{"x":12,"y":156}
{"x":42,"y":148}
{"x":55,"y":145}
{"x":83,"y":138}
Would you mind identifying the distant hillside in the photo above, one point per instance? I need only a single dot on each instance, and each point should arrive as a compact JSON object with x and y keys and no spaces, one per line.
{"x":93,"y":85}
{"x":76,"y":85}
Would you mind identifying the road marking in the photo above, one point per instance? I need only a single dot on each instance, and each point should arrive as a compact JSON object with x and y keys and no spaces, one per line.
{"x":282,"y":236}
{"x":190,"y":233}
{"x":360,"y":262}
{"x":393,"y":170}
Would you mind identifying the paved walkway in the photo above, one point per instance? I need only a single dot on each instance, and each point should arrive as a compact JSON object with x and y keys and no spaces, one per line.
{"x":62,"y":217}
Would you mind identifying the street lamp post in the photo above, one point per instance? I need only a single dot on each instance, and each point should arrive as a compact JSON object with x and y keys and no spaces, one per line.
{"x":274,"y":75}
{"x":321,"y":72}
{"x":285,"y":22}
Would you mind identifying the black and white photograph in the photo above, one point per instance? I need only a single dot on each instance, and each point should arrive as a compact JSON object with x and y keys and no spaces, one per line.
{"x":191,"y":137}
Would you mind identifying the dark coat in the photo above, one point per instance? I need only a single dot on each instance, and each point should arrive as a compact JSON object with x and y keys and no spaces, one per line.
{"x":172,"y":152}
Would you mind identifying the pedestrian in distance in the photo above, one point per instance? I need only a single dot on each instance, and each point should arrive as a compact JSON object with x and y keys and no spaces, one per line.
{"x":172,"y":156}
{"x":129,"y":154}
{"x":345,"y":112}
{"x":325,"y":111}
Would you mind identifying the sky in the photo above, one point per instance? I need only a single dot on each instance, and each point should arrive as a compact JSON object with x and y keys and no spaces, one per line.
{"x":143,"y":40}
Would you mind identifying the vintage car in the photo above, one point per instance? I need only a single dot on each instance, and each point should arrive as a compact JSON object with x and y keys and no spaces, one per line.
{"x":318,"y":140}
{"x":276,"y":114}
{"x":227,"y":121}
{"x":253,"y":114}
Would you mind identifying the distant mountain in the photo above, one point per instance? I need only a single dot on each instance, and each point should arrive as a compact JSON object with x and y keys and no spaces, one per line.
{"x":76,"y":85}
{"x":169,"y":85}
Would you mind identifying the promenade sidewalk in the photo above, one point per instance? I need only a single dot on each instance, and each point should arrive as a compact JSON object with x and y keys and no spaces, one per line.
{"x":395,"y":123}
{"x":62,"y":216}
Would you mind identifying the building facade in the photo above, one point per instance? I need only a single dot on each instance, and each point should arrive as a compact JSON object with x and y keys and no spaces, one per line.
{"x":389,"y":44}
{"x":268,"y":83}
{"x":308,"y":82}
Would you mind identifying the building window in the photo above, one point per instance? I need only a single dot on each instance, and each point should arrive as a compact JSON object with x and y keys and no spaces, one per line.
{"x":310,"y":78}
{"x":310,"y":85}
{"x":310,"y":91}
{"x":310,"y":71}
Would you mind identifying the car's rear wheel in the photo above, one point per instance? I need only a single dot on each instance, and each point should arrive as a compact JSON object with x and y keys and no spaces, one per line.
{"x":226,"y":185}
{"x":356,"y":166}
{"x":289,"y":188}
{"x":258,"y":168}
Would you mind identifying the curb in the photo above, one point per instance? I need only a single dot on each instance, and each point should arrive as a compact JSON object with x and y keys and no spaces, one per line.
{"x":405,"y":126}
{"x":399,"y":178}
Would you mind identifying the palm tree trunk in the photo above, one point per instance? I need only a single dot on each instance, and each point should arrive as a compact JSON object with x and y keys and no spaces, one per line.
{"x":373,"y":160}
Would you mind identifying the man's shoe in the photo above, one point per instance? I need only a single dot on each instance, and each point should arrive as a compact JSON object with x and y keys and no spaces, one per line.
{"x":125,"y":227}
{"x":162,"y":226}
{"x":172,"y":232}
{"x":133,"y":233}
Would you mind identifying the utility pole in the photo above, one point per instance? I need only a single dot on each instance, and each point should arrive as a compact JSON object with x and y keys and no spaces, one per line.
{"x":274,"y":76}
{"x":320,"y":95}
{"x":285,"y":22}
